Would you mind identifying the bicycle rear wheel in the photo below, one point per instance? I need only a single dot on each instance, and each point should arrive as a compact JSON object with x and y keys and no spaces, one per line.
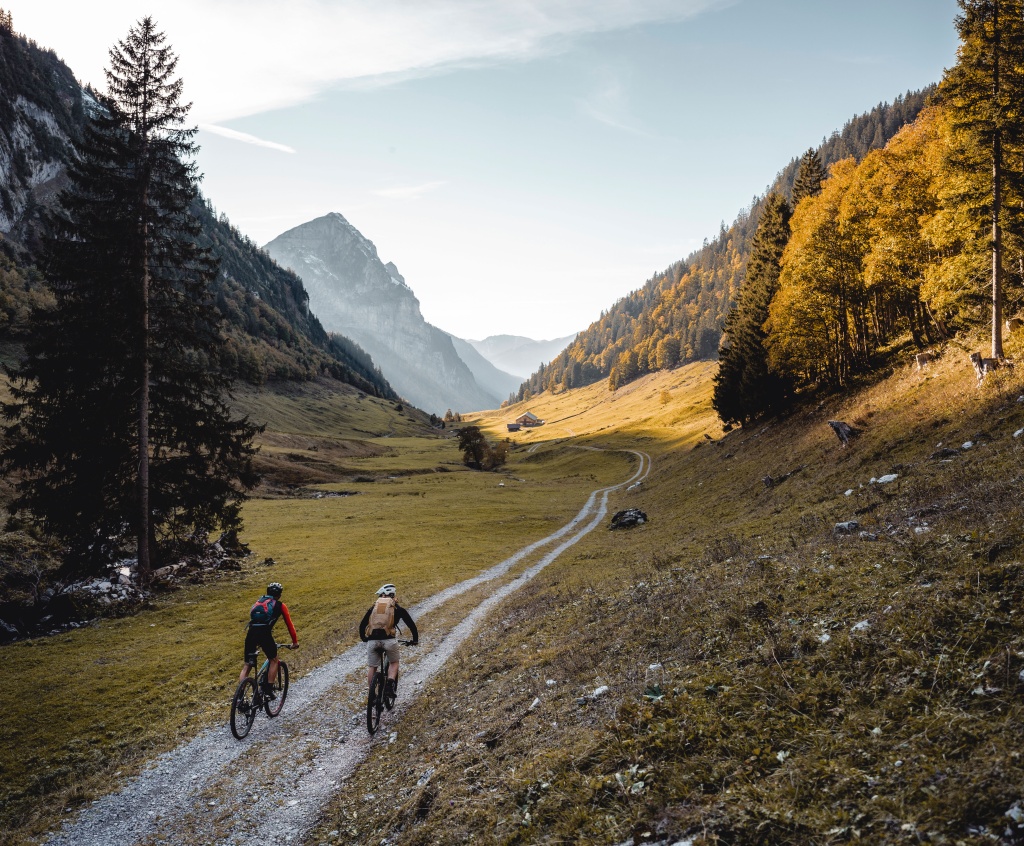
{"x":273,"y":706}
{"x":375,"y":702}
{"x":243,"y":708}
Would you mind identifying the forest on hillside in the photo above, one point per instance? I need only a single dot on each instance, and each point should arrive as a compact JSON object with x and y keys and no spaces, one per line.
{"x":677,"y":316}
{"x":268,"y":332}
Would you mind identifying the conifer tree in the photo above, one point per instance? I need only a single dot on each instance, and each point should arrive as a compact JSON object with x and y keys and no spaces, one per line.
{"x":120,"y":424}
{"x":982,"y":94}
{"x":809,"y":177}
{"x":745,"y":386}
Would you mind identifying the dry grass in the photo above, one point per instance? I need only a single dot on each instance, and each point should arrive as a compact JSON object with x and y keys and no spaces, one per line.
{"x":814,"y":688}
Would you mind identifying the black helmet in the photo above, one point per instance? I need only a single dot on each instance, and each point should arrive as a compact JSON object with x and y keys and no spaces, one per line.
{"x":274,"y":589}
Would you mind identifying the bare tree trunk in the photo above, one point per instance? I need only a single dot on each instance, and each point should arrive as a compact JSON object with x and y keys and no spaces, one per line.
{"x":997,"y":199}
{"x":997,"y":252}
{"x":144,"y":563}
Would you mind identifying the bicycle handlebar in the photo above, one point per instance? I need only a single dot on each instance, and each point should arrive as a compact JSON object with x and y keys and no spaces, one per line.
{"x":287,"y":646}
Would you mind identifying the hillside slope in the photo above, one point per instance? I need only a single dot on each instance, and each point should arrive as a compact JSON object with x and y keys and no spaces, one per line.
{"x":742,"y":668}
{"x":490,"y":377}
{"x":677,"y":316}
{"x":269,"y":332}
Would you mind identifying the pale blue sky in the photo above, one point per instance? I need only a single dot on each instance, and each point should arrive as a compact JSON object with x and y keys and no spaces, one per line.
{"x":524,"y":164}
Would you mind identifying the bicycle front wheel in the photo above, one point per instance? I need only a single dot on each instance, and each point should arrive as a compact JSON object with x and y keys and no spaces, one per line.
{"x":243,"y":708}
{"x":273,"y":706}
{"x":375,"y":702}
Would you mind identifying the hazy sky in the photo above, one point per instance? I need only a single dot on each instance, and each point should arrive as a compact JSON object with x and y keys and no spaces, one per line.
{"x":524,"y":163}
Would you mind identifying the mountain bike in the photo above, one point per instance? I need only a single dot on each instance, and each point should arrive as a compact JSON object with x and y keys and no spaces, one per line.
{"x":249,"y":697}
{"x":377,"y":699}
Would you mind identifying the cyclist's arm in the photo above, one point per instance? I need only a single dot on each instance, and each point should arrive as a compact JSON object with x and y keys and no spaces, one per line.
{"x":288,"y":622}
{"x":362,"y":626}
{"x":406,"y":618}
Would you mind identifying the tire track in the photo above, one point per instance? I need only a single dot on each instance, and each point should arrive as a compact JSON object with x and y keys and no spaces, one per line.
{"x":272,"y":787}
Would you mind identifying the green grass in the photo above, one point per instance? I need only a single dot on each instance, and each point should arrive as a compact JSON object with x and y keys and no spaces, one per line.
{"x":88,"y":707}
{"x":765,"y":732}
{"x":326,"y":408}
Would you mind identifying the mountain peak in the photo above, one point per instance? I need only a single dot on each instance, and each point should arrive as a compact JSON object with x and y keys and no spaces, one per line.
{"x":353,"y":292}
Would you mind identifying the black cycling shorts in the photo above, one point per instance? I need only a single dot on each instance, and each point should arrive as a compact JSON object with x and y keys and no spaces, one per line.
{"x":263,"y":637}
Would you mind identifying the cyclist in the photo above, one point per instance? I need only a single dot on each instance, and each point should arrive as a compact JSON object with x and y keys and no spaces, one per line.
{"x":378,"y":628}
{"x":264,"y":614}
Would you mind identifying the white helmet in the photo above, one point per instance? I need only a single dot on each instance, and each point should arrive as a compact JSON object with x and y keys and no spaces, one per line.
{"x":386,"y":590}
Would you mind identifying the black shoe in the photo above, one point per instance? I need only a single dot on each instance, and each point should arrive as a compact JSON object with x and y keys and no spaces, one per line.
{"x":268,"y":693}
{"x":391,"y":688}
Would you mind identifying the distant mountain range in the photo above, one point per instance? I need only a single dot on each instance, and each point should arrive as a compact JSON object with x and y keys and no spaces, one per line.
{"x":357,"y":295}
{"x":486,"y":372}
{"x":518,"y":355}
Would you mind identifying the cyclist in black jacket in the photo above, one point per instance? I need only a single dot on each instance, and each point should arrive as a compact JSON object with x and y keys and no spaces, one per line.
{"x":378,"y":628}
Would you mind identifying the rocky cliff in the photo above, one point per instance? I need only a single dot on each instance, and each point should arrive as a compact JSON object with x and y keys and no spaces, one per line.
{"x":354,"y":293}
{"x":41,"y":112}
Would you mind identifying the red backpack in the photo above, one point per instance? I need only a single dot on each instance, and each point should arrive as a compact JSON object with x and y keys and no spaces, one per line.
{"x":263,"y":611}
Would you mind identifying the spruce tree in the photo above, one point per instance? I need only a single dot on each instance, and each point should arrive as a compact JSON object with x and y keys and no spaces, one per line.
{"x":120,"y":428}
{"x":982,"y":95}
{"x":745,"y":386}
{"x":809,"y":177}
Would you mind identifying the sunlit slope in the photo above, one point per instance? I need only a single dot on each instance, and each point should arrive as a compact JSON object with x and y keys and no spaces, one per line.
{"x":662,"y":411}
{"x":811,"y":685}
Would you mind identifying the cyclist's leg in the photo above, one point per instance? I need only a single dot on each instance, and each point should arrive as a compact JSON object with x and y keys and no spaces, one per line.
{"x":249,"y":654}
{"x":393,"y":655}
{"x":373,"y":650}
{"x":266,"y":640}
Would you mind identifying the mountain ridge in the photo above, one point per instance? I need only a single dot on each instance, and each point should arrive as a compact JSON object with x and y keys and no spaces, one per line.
{"x":518,"y":354}
{"x":354,"y":292}
{"x":676,"y":316}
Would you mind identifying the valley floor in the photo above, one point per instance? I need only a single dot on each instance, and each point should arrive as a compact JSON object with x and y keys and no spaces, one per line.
{"x":273,"y":786}
{"x":790,"y":651}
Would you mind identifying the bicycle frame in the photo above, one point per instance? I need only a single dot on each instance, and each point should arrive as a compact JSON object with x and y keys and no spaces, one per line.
{"x":249,"y":697}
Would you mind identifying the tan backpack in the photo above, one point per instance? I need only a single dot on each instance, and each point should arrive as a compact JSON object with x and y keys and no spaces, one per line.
{"x":382,"y":616}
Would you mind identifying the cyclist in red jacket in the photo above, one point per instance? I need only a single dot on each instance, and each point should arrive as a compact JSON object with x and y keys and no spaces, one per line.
{"x":265,"y":613}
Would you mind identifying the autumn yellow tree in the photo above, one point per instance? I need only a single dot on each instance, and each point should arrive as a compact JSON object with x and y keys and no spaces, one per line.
{"x":816,"y":322}
{"x":900,"y":185}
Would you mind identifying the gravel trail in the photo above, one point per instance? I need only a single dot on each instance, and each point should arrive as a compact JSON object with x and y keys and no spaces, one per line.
{"x":272,"y":786}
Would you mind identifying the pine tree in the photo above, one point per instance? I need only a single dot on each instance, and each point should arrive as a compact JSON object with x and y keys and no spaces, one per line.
{"x":809,"y":178}
{"x":982,"y":94}
{"x":121,"y":429}
{"x":745,"y":386}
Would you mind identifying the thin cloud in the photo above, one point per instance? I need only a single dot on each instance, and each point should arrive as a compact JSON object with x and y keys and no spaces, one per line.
{"x":408,"y":192}
{"x":251,"y":56}
{"x":610,"y":106}
{"x":244,"y":137}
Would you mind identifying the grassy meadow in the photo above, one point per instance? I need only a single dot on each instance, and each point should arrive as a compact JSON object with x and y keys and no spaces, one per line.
{"x":87,"y":708}
{"x":770,"y":681}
